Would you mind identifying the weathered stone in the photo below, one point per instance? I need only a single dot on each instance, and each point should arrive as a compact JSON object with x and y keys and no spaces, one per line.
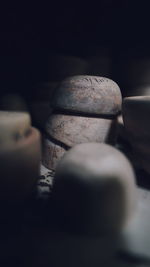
{"x":52,"y":153}
{"x":94,"y":189}
{"x":88,"y":94}
{"x":72,"y":130}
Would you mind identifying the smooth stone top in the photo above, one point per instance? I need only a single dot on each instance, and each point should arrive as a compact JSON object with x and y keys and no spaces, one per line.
{"x":13,"y":126}
{"x":88,"y":94}
{"x":94,"y":188}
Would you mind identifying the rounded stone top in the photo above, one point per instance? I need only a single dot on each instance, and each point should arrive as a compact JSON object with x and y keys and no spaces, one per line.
{"x":88,"y":94}
{"x":13,"y":126}
{"x":94,"y":187}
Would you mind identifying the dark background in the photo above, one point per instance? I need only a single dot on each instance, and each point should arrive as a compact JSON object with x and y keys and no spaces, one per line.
{"x":30,"y":32}
{"x":119,"y":30}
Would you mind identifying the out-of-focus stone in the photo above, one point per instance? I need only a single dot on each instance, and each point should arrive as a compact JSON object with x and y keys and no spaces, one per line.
{"x":14,"y":126}
{"x":94,"y":189}
{"x":19,"y":168}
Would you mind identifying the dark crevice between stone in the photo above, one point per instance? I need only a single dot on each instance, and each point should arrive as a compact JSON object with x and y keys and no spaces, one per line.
{"x":56,"y":142}
{"x":82,"y":114}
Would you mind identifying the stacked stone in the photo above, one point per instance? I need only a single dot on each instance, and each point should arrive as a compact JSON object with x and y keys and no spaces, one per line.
{"x":85,"y":109}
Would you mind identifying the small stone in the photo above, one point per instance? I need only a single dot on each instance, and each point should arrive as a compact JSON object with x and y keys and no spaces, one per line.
{"x":72,"y":130}
{"x":88,"y":94}
{"x":136,"y":112}
{"x":94,"y":189}
{"x":13,"y":127}
{"x":52,"y":153}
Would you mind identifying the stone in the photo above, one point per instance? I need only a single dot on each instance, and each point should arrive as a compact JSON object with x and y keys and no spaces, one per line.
{"x":94,"y":189}
{"x":71,"y":130}
{"x":19,"y":168}
{"x":88,"y":94}
{"x":52,"y":153}
{"x":14,"y":126}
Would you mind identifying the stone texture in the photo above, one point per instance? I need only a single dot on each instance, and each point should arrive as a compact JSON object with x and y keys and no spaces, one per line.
{"x":72,"y":130}
{"x":94,"y":189}
{"x":88,"y":94}
{"x":52,"y":153}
